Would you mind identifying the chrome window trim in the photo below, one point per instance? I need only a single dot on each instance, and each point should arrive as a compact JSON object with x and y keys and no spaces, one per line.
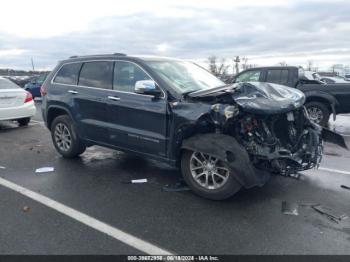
{"x":106,"y":60}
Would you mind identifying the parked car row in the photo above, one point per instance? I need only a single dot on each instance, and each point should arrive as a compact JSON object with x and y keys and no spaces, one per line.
{"x":31,"y":84}
{"x":35,"y":84}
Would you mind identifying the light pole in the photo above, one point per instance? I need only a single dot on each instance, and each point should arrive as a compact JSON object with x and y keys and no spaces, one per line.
{"x":237,"y":60}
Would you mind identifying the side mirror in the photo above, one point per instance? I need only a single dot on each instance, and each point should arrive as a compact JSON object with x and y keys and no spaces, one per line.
{"x":147,"y":87}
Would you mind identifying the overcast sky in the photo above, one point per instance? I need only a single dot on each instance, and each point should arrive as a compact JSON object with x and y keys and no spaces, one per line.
{"x":266,"y":31}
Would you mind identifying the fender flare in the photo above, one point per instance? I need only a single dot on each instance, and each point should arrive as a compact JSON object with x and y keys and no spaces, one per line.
{"x":325,"y":96}
{"x":58,"y":107}
{"x":226,"y":148}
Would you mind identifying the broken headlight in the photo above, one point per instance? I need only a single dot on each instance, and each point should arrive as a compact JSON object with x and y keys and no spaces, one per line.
{"x":230,"y":111}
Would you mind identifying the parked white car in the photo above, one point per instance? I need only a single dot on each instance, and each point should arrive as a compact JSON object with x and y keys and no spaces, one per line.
{"x":334,"y":80}
{"x":15,"y":103}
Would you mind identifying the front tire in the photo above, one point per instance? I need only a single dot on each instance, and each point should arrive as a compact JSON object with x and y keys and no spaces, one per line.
{"x":23,"y":121}
{"x":318,"y":112}
{"x":65,"y":138}
{"x":208,"y":176}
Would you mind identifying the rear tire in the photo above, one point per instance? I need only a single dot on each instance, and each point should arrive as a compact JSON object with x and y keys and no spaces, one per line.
{"x":214,"y":191}
{"x":65,"y":138}
{"x":23,"y":121}
{"x":318,"y":112}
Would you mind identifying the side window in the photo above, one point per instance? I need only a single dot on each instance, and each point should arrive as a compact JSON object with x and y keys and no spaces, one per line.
{"x":96,"y":74}
{"x":126,"y":74}
{"x":277,"y":76}
{"x":68,"y":74}
{"x":250,"y":76}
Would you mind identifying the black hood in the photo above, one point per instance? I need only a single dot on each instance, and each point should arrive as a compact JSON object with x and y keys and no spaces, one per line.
{"x":258,"y":97}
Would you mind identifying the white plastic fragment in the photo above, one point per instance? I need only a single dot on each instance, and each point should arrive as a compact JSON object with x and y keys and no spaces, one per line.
{"x":139,"y":181}
{"x":2,"y":167}
{"x":45,"y":169}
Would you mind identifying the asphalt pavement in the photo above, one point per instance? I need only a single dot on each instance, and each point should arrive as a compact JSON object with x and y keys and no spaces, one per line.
{"x":180,"y":222}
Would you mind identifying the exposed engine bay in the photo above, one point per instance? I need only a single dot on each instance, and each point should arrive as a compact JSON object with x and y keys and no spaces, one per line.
{"x":270,"y":122}
{"x":285,"y":143}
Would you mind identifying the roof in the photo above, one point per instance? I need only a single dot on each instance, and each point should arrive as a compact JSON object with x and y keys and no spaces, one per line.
{"x":272,"y":67}
{"x":120,"y":56}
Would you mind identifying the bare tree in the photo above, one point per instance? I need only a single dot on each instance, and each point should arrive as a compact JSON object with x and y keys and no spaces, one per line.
{"x":212,"y":64}
{"x":244,"y":64}
{"x":216,"y":67}
{"x":333,"y":67}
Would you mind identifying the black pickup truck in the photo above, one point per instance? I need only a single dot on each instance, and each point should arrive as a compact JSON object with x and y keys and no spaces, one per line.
{"x":321,"y":99}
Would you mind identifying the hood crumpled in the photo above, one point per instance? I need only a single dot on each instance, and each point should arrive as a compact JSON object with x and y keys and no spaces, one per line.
{"x":267,"y":98}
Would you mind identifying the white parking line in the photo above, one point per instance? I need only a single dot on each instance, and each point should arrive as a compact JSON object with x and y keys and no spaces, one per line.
{"x":334,"y":170}
{"x":117,"y":234}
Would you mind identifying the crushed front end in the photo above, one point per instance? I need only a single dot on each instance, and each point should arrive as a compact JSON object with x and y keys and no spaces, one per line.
{"x":271,"y":123}
{"x":282,"y":143}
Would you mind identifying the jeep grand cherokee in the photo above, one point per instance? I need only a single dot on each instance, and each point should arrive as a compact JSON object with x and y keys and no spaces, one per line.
{"x":223,"y":137}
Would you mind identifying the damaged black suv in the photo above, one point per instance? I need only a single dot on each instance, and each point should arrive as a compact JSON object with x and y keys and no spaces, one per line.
{"x":224,"y":137}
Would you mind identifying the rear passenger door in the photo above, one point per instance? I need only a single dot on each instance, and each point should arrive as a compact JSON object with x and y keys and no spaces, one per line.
{"x":138,"y":121}
{"x":90,"y":98}
{"x":278,"y":76}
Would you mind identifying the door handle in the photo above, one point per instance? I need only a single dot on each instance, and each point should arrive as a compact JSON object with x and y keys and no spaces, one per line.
{"x":72,"y":92}
{"x":114,"y":98}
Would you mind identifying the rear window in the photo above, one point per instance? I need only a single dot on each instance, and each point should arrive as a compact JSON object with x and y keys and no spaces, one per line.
{"x":97,"y":74}
{"x":7,"y":84}
{"x":68,"y":74}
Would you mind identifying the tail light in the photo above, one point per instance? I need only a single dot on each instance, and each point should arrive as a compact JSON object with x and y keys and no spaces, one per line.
{"x":42,"y":90}
{"x":29,"y":98}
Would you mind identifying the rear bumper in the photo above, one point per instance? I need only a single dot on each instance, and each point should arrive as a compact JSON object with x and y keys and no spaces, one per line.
{"x":24,"y":111}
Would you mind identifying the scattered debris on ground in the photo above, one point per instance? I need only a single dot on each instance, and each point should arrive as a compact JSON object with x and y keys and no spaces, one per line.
{"x":177,"y":187}
{"x":139,"y":181}
{"x":289,"y":208}
{"x":25,"y":209}
{"x":295,"y":176}
{"x":329,"y":213}
{"x":35,"y":148}
{"x":308,"y":204}
{"x":45,"y":170}
{"x":2,"y":167}
{"x":345,"y":187}
{"x":136,"y":181}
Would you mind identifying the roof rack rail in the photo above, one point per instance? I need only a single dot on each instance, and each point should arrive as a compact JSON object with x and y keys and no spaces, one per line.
{"x":116,"y":54}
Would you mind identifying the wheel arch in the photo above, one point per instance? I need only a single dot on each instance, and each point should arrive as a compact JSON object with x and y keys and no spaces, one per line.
{"x":55,"y":111}
{"x":226,"y":148}
{"x":328,"y":100}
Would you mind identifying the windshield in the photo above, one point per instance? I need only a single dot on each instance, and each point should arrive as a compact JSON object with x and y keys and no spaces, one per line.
{"x":185,"y":76}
